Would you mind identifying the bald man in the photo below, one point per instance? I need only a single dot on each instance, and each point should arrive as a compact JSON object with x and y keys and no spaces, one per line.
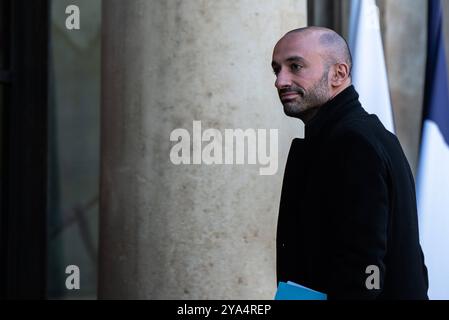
{"x":348,"y":220}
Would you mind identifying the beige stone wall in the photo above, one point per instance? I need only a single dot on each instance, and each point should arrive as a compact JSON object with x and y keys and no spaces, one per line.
{"x":405,"y":37}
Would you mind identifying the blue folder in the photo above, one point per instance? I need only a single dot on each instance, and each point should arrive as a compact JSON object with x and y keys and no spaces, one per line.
{"x":294,"y":291}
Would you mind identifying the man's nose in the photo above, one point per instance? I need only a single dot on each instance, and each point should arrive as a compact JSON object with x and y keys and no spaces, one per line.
{"x":283,"y":80}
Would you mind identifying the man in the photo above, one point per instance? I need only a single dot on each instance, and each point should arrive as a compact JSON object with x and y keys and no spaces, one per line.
{"x":348,"y":221}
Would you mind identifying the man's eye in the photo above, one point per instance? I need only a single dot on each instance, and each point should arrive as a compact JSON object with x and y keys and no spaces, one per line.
{"x":296,"y":67}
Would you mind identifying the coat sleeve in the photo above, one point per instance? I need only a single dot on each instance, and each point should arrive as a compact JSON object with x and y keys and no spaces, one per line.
{"x":359,"y":219}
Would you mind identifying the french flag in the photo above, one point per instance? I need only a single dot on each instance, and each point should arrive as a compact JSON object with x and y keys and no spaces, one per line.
{"x":433,"y":169}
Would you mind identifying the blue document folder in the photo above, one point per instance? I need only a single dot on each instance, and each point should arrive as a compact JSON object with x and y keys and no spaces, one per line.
{"x":294,"y":291}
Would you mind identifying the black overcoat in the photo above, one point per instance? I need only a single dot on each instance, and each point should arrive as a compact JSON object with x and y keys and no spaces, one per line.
{"x":348,"y":202}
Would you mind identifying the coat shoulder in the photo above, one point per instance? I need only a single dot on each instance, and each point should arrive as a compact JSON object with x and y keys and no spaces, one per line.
{"x":355,"y":130}
{"x":364,"y":134}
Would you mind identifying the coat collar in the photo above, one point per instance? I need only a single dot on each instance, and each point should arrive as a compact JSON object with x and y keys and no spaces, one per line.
{"x":332,"y":112}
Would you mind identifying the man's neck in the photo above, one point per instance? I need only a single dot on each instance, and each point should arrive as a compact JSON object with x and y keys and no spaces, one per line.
{"x":309,"y":114}
{"x":341,"y":89}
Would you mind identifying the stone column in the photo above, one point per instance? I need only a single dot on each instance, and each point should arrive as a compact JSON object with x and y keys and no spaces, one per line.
{"x":189,"y":231}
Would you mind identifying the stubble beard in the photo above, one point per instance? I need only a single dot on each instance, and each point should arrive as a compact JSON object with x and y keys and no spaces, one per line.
{"x":306,"y":101}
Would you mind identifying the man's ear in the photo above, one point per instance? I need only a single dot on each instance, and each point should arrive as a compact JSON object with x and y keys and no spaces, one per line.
{"x":340,"y":73}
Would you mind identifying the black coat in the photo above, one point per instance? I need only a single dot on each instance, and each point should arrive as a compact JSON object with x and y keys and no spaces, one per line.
{"x":348,"y":202}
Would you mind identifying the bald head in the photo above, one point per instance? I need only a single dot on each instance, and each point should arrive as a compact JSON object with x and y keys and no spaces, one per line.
{"x":312,"y":65}
{"x":335,"y":47}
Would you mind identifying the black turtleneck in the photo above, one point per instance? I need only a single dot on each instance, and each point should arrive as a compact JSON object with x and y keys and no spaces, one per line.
{"x":332,"y":111}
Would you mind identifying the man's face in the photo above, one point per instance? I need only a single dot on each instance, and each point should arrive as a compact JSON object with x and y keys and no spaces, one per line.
{"x":301,"y":74}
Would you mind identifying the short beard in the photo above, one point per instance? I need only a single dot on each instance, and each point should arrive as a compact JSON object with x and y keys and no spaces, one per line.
{"x":314,"y":98}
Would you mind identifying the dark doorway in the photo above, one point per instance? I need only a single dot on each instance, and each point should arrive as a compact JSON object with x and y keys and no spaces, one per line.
{"x":23,"y":70}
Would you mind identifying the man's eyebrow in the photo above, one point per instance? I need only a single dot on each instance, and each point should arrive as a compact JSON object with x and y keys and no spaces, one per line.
{"x":295,"y":59}
{"x":274,"y":64}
